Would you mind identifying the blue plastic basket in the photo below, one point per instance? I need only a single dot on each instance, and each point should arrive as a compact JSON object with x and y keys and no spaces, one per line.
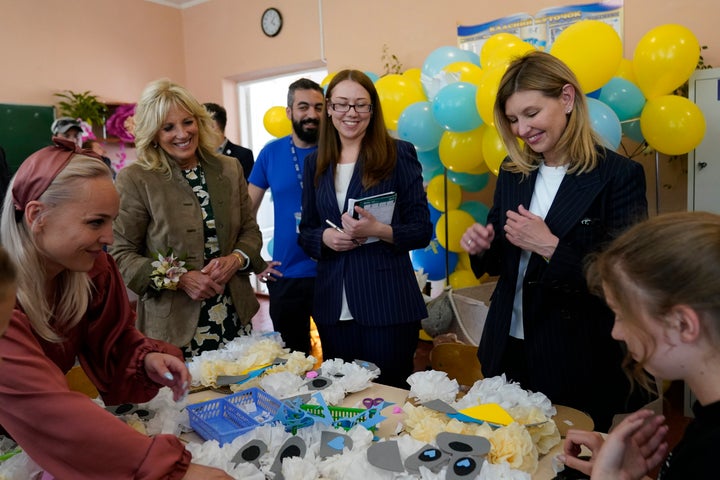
{"x":224,"y":419}
{"x":257,"y":404}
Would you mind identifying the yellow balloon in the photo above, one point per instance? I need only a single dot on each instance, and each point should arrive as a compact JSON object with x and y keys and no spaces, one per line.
{"x":592,"y":49}
{"x":463,"y":279}
{"x":413,"y":73}
{"x":328,"y":78}
{"x":480,"y":169}
{"x":664,"y":59}
{"x":501,"y":49}
{"x":462,"y":151}
{"x":626,"y":71}
{"x":458,"y":222}
{"x":396,"y":93}
{"x":436,"y":194}
{"x":463,"y":262}
{"x":672,"y":125}
{"x":494,"y":151}
{"x":276,"y":122}
{"x":487,"y":91}
{"x":469,"y":72}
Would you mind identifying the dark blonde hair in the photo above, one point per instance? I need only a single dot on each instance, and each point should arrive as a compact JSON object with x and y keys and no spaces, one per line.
{"x":541,"y":72}
{"x":669,"y":260}
{"x":150,"y":114}
{"x":378,"y":152}
{"x":74,"y":288}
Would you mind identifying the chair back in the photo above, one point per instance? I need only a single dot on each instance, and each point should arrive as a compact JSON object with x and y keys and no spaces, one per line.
{"x":458,"y":360}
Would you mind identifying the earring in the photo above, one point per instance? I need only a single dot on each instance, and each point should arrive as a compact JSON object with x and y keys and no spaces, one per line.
{"x":155,"y":145}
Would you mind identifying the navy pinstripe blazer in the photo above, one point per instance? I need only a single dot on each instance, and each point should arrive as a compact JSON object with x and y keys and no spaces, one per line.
{"x":567,"y":330}
{"x":379,"y":279}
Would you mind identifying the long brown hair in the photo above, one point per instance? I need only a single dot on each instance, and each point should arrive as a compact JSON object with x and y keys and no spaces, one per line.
{"x":540,"y":71}
{"x":378,"y":152}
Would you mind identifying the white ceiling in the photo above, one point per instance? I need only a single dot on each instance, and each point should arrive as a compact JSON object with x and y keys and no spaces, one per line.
{"x":178,"y":3}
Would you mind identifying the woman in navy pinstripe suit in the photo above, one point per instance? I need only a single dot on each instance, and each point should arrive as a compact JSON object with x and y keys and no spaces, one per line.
{"x":368,"y":304}
{"x":558,"y":197}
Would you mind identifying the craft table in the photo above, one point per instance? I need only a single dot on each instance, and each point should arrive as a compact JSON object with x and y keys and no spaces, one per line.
{"x":565,"y":418}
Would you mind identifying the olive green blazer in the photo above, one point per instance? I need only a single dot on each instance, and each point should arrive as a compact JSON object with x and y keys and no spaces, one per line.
{"x":158,"y":213}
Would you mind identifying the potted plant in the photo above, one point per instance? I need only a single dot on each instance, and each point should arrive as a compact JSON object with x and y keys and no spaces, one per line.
{"x":82,"y":105}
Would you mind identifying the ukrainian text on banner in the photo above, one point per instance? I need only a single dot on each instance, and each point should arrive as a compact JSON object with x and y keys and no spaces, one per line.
{"x":542,"y":29}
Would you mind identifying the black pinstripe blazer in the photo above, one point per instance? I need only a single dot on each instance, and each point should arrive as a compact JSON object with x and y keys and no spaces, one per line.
{"x":567,"y":330}
{"x":379,"y":279}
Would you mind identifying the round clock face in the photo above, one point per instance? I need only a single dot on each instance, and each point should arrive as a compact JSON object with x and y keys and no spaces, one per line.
{"x":271,"y":22}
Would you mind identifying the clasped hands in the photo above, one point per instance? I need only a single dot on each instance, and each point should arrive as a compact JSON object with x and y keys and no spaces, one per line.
{"x":523,"y":229}
{"x":632,"y":449}
{"x":211,"y":280}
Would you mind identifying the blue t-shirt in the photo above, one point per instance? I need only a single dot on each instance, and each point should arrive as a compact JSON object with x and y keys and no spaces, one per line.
{"x":275,"y":169}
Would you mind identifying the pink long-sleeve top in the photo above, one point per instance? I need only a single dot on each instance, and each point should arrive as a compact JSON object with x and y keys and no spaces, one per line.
{"x":63,"y":431}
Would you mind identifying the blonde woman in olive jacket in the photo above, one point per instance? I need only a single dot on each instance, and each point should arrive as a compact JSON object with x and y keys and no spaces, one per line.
{"x":182,"y":196}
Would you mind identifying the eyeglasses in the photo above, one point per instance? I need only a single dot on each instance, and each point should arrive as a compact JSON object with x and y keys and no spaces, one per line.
{"x":345,"y":107}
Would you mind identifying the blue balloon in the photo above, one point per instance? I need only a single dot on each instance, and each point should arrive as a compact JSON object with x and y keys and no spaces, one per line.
{"x":271,"y":246}
{"x":429,"y":159}
{"x":432,"y":172}
{"x":605,"y":122}
{"x":595,"y":93}
{"x":624,"y":97}
{"x":444,"y":56}
{"x":468,"y":181}
{"x":454,"y":107}
{"x":432,"y":260}
{"x":631,"y":129}
{"x":478,"y":210}
{"x":373,"y":76}
{"x":431,"y":164}
{"x":435,"y":214}
{"x":418,"y":126}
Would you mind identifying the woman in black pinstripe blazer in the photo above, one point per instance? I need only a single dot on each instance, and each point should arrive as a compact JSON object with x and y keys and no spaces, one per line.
{"x":368,"y":304}
{"x":559,"y":196}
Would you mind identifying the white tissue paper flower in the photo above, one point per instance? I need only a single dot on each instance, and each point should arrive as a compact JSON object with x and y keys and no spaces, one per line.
{"x":296,"y":468}
{"x":432,"y":385}
{"x":501,"y":471}
{"x":506,"y":394}
{"x":282,"y":384}
{"x":350,"y":375}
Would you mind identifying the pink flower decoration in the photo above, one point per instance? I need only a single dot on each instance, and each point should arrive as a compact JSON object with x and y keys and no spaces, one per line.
{"x":118,"y":123}
{"x":87,"y":133}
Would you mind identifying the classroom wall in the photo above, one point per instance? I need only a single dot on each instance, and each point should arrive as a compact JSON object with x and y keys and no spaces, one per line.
{"x":113,"y":48}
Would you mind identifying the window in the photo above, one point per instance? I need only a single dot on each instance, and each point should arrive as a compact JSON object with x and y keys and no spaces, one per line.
{"x":258,"y":96}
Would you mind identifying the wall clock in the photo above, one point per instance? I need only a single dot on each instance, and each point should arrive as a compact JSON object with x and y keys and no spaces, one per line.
{"x":271,"y":22}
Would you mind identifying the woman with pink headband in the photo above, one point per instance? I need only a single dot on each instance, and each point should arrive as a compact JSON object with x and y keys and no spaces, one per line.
{"x":72,"y":305}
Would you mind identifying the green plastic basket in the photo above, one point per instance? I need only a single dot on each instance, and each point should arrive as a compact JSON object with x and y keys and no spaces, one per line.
{"x":343,"y":417}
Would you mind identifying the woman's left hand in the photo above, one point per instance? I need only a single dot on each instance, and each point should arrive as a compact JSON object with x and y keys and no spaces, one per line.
{"x":169,"y":371}
{"x":221,"y":269}
{"x":365,"y":226}
{"x":528,"y":231}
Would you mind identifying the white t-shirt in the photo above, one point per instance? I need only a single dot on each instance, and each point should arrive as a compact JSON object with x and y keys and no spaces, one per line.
{"x":343,"y":175}
{"x":547,"y":184}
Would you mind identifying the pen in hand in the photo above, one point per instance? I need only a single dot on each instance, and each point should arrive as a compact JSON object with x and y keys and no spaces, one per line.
{"x":355,"y":242}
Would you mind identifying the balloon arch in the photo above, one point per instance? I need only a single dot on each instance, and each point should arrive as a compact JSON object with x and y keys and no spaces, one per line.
{"x":445,"y":110}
